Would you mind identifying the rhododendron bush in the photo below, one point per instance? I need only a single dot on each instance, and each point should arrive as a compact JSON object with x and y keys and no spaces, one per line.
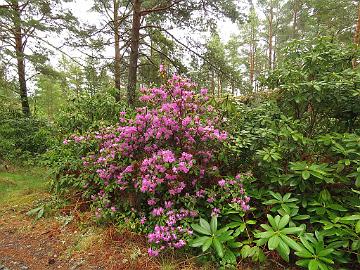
{"x":162,"y":163}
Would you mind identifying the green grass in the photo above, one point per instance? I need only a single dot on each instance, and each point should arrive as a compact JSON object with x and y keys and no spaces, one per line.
{"x":22,"y":187}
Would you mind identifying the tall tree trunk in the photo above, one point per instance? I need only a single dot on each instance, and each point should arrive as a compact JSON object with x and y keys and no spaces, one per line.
{"x":19,"y":49}
{"x":117,"y":60}
{"x":357,"y":35}
{"x":134,"y":53}
{"x":213,"y":83}
{"x":271,"y":17}
{"x":219,"y":86}
{"x":295,"y":18}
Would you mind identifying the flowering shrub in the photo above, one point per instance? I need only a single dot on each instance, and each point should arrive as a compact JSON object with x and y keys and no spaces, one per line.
{"x":163,"y":163}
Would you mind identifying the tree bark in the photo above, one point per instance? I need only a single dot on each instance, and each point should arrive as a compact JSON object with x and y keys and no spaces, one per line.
{"x":213,"y":83}
{"x":271,"y":35}
{"x":19,"y":49}
{"x":134,"y":53}
{"x":117,"y":60}
{"x":357,"y":35}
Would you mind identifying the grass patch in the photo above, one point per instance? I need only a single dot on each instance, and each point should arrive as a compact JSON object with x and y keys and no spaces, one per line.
{"x":22,"y":187}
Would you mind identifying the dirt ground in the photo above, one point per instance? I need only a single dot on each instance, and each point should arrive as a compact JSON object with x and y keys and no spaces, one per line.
{"x":46,"y":244}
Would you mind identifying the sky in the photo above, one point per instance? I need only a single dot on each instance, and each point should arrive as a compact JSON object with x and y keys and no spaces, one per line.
{"x":81,"y":9}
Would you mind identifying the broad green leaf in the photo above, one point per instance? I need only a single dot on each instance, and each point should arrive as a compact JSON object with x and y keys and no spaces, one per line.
{"x":327,"y":260}
{"x":277,"y":220}
{"x":200,"y":229}
{"x":276,"y":195}
{"x":303,"y":263}
{"x":305,"y":175}
{"x":291,"y":243}
{"x":197,"y":242}
{"x":207,"y":244}
{"x":271,"y":221}
{"x":266,"y":234}
{"x":357,"y":227}
{"x":306,"y":244}
{"x":283,"y":221}
{"x":213,"y":224}
{"x":245,"y":251}
{"x":325,"y":252}
{"x":225,"y":237}
{"x":283,"y":250}
{"x":205,"y":225}
{"x":351,"y":218}
{"x":234,"y":244}
{"x":313,"y":265}
{"x":273,"y":242}
{"x":291,"y":230}
{"x":218,"y":247}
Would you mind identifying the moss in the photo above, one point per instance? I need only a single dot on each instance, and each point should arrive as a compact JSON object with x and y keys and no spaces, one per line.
{"x":22,"y":188}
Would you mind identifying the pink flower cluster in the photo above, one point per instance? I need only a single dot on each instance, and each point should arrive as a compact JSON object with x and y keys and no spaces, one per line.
{"x":171,"y":234}
{"x":168,"y":151}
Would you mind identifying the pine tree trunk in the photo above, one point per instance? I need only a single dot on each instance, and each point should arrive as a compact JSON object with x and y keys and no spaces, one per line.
{"x":270,"y":37}
{"x":213,"y":83}
{"x":295,"y":18}
{"x":117,"y":60}
{"x":134,"y":53}
{"x":357,"y":35}
{"x":19,"y":49}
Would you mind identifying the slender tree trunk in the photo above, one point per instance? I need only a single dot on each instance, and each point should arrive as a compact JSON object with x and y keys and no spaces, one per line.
{"x":219,"y":86}
{"x":19,"y":49}
{"x":117,"y":60}
{"x":274,"y":53}
{"x":357,"y":35}
{"x":295,"y":18}
{"x":271,"y":36}
{"x":134,"y":53}
{"x":213,"y":83}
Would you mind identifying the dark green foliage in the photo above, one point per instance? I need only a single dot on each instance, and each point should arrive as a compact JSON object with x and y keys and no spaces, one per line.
{"x":302,"y":143}
{"x":23,"y":139}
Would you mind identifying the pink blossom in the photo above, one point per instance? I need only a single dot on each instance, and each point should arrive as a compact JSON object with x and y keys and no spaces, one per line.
{"x":222,"y":182}
{"x":153,"y":252}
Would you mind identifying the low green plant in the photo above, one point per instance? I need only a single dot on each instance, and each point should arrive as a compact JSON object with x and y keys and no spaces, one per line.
{"x":220,"y":240}
{"x":276,"y":235}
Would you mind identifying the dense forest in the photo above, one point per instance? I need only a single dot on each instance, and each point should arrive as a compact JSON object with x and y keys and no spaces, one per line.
{"x":225,"y":133}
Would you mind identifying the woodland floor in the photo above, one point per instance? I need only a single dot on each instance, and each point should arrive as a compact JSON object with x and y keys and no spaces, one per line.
{"x":67,"y":238}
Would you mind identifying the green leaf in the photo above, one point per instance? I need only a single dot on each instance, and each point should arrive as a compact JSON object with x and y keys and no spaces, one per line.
{"x":266,"y":234}
{"x":200,"y":229}
{"x":207,"y":244}
{"x":213,"y":224}
{"x":313,"y":265}
{"x":283,"y":250}
{"x":325,"y":252}
{"x":273,"y":242}
{"x":292,"y":230}
{"x":357,"y":227}
{"x":205,"y":225}
{"x":277,"y":220}
{"x":225,"y":237}
{"x":303,"y":263}
{"x":305,"y":175}
{"x":197,"y":242}
{"x":245,"y":251}
{"x":291,"y":243}
{"x":351,"y":218}
{"x":218,"y":247}
{"x":271,"y":221}
{"x":283,"y":221}
{"x":304,"y":254}
{"x":306,"y":244}
{"x":235,"y":244}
